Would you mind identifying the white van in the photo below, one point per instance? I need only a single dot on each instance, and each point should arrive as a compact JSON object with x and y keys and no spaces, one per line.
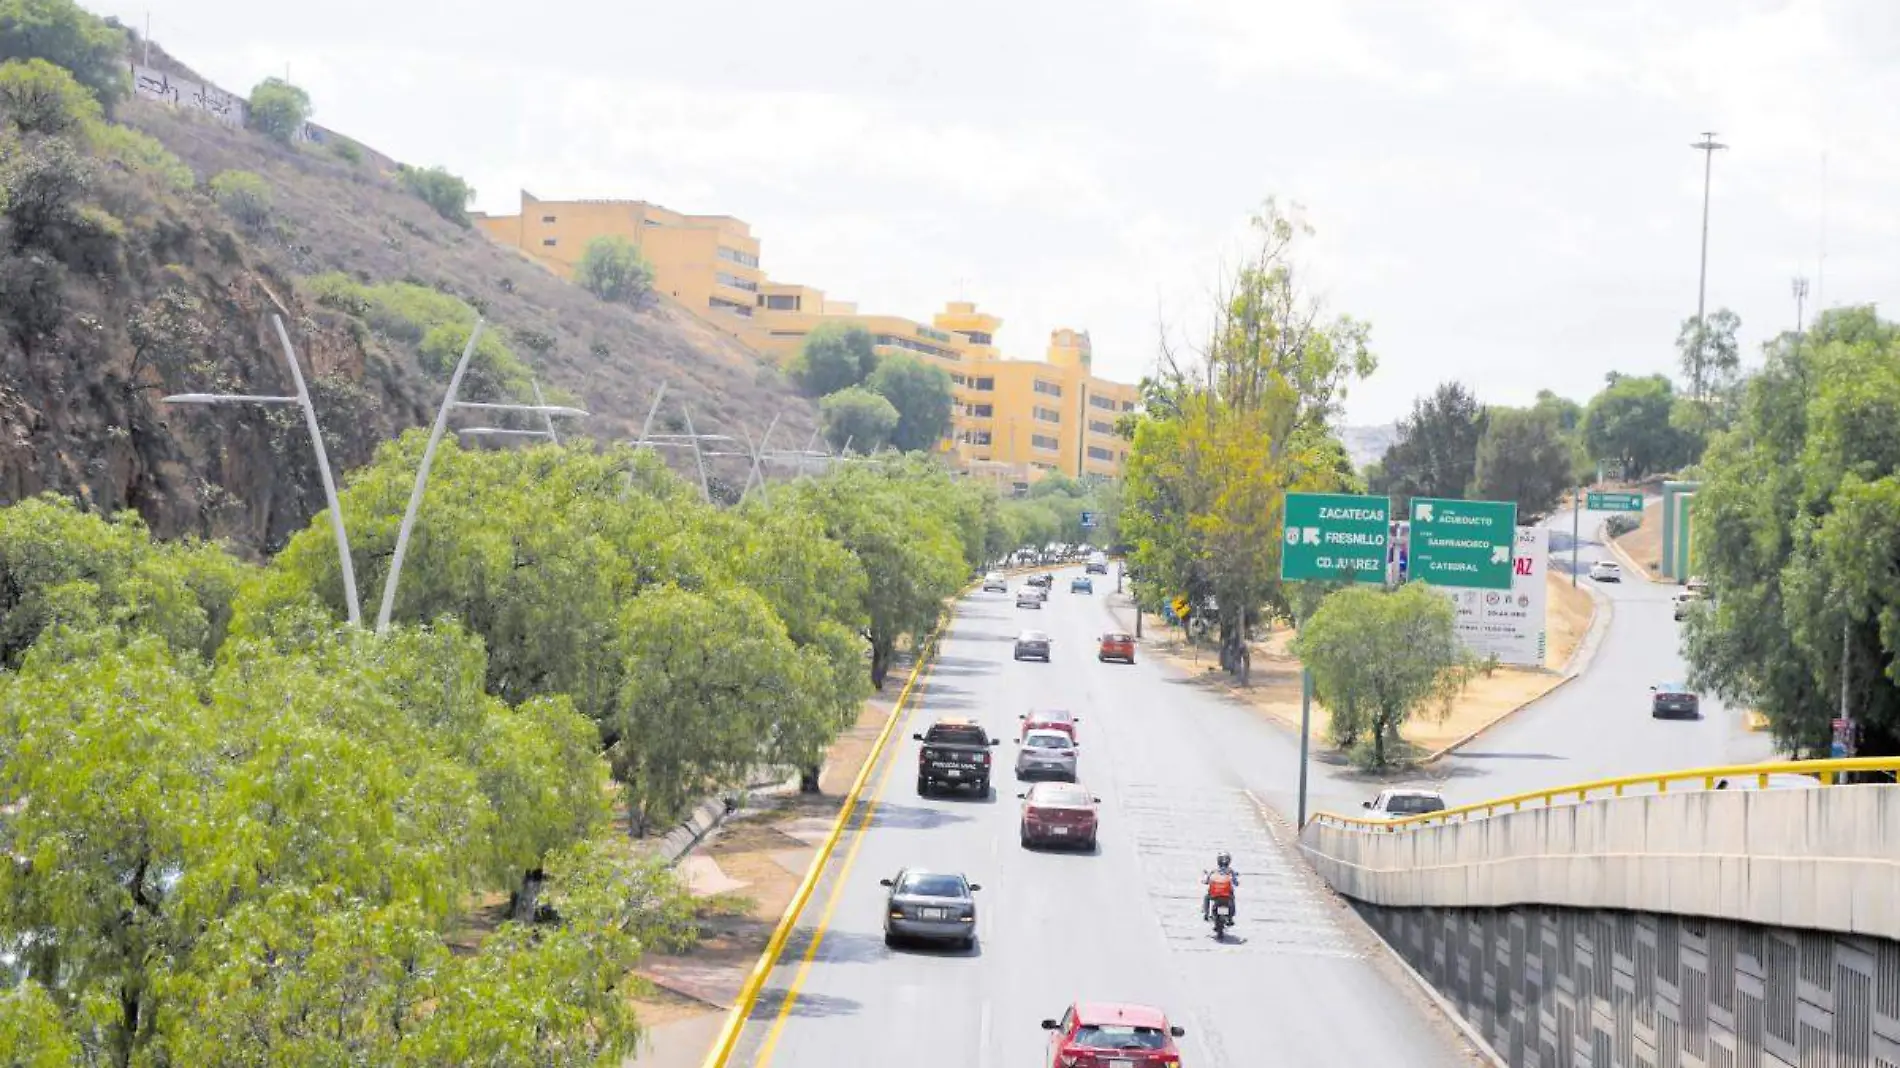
{"x":1097,"y":565}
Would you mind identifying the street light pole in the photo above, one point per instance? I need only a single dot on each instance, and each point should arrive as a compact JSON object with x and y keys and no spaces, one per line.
{"x":1708,"y":146}
{"x":302,"y":399}
{"x":1800,"y":301}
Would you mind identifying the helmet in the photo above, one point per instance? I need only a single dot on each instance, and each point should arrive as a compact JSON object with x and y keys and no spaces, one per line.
{"x":1223,"y":860}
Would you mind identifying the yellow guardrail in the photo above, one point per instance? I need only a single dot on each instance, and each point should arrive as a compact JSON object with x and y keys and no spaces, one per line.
{"x":1824,"y":770}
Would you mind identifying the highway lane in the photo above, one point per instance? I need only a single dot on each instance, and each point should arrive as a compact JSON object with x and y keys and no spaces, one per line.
{"x":1298,"y":985}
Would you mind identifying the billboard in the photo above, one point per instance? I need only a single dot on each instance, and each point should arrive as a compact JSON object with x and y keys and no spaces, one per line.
{"x":1508,"y":624}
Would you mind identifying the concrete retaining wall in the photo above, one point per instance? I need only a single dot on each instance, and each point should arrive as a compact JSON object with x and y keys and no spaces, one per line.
{"x":1825,"y":859}
{"x":1569,"y":988}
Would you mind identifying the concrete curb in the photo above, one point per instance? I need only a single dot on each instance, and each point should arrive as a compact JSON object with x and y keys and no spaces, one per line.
{"x":705,"y":818}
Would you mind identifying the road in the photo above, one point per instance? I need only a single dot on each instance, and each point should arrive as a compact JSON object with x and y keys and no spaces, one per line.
{"x":1297,"y":984}
{"x":1598,"y":726}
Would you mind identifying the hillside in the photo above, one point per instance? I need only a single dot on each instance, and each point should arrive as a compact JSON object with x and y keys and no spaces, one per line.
{"x":143,"y":286}
{"x":1366,"y":444}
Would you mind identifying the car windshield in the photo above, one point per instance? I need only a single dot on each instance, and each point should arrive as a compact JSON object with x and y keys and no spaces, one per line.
{"x":1033,"y":636}
{"x":924,"y":885}
{"x":1673,"y":689}
{"x":956,"y":735}
{"x":1054,"y":715}
{"x":1119,"y":1036}
{"x":1049,"y":740}
{"x":1051,"y":794}
{"x":1414,"y":803}
{"x":1116,"y":638}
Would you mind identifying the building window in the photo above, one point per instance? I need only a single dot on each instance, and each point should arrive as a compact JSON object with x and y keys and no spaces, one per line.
{"x":911,"y":345}
{"x":1048,"y":389}
{"x":1048,"y":415}
{"x":1096,"y":426}
{"x":547,"y":218}
{"x":1107,"y":404}
{"x":1044,"y":442}
{"x":736,"y":282}
{"x":959,"y":380}
{"x":780,"y":302}
{"x":976,"y":437}
{"x":733,"y":255}
{"x":1128,"y":406}
{"x":1042,"y":466}
{"x":1098,"y":453}
{"x":933,"y":334}
{"x":732,"y":306}
{"x":979,"y":411}
{"x":548,"y":241}
{"x":983,"y":385}
{"x":977,"y":337}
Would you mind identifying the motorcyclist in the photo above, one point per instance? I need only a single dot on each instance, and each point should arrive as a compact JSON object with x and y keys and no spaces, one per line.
{"x":1221,"y":884}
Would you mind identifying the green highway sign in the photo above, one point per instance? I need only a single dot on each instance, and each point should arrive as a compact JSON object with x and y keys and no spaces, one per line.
{"x":1335,"y":536}
{"x":1463,"y":543}
{"x":1613,"y":502}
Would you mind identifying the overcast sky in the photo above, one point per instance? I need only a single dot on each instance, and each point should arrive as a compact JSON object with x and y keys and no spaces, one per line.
{"x":1503,"y":188}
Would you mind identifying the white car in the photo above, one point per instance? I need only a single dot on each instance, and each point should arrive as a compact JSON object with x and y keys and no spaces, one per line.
{"x":1606,"y":571}
{"x":1399,"y":803}
{"x":994,"y":582}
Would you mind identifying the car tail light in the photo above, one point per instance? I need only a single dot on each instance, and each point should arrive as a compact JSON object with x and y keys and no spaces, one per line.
{"x":982,"y":758}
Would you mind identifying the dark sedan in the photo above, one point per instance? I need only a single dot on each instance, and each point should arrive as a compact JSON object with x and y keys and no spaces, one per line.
{"x":930,"y":906}
{"x":1032,"y":645}
{"x":1674,"y":700}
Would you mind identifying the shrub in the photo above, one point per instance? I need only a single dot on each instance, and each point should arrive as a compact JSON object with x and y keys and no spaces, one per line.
{"x":278,"y":109}
{"x":244,"y":196}
{"x":142,"y":153}
{"x":1622,"y":523}
{"x":65,"y":35}
{"x":43,"y":183}
{"x":347,"y":151}
{"x":436,"y":187}
{"x":612,"y":269}
{"x":493,"y":371}
{"x":40,"y":98}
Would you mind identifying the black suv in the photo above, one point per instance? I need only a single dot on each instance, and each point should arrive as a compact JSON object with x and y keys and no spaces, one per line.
{"x":1045,"y":580}
{"x":956,"y":752}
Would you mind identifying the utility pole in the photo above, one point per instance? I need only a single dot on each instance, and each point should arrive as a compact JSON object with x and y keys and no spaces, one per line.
{"x":1800,"y":299}
{"x":1708,"y":147}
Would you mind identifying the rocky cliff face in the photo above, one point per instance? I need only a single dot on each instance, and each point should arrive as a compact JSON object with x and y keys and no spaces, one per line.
{"x":145,"y":287}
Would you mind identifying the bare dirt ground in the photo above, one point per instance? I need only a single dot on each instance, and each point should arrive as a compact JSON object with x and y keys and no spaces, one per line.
{"x":1643,"y":545}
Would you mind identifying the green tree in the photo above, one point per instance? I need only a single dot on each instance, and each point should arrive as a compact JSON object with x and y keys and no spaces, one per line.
{"x":43,"y":185}
{"x":445,"y":192}
{"x":1567,"y":413}
{"x":1436,"y":454}
{"x":834,"y":356}
{"x":1707,"y":352}
{"x":858,"y":417}
{"x":1377,"y":659}
{"x":1796,"y":526}
{"x":921,"y":395}
{"x":39,"y":98}
{"x":278,"y":109}
{"x":1523,"y":457}
{"x":1224,"y":439}
{"x":612,"y":269}
{"x":243,"y":196}
{"x":1630,"y":422}
{"x":66,"y":35}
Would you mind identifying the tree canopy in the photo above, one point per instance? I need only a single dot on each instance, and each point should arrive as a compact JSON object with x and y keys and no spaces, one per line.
{"x":1631,"y":422}
{"x":834,"y":356}
{"x":858,"y":418}
{"x":921,"y":394}
{"x":278,"y":109}
{"x":613,"y":269}
{"x":1378,"y":658}
{"x":1436,"y":454}
{"x":67,"y":35}
{"x":1524,"y":456}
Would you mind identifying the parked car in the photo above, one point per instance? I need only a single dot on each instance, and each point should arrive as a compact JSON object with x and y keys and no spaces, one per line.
{"x":956,"y":752}
{"x":994,"y":582}
{"x":1029,"y":597}
{"x":1681,"y":603}
{"x":1397,"y":804}
{"x":1058,"y":813}
{"x":1104,"y":1034}
{"x":930,"y":906}
{"x":1046,"y":755}
{"x":1117,"y":646}
{"x":1081,"y":584}
{"x":1606,"y":571}
{"x":1697,"y":585}
{"x":1049,"y":719}
{"x":1032,"y":645}
{"x":1671,"y":700}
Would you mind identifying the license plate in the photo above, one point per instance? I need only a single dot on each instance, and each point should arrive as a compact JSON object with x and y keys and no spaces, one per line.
{"x":1058,"y":830}
{"x":930,"y":914}
{"x":955,"y":774}
{"x":1119,"y":1063}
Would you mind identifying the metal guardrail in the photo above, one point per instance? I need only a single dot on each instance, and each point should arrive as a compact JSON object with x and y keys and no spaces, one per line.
{"x":1824,"y":770}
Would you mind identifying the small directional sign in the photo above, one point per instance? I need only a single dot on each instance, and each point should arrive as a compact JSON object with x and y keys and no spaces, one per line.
{"x":1088,"y":520}
{"x":1463,"y":543}
{"x":1598,"y":501}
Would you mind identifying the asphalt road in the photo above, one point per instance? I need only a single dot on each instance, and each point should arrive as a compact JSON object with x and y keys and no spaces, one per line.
{"x":1297,"y":983}
{"x":1598,"y":726}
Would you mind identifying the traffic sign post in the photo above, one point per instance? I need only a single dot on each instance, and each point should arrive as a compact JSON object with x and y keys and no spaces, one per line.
{"x":1335,"y":537}
{"x":1613,"y":502}
{"x":1463,"y":543}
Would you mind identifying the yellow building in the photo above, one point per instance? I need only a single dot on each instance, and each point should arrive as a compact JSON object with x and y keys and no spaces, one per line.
{"x":1013,"y":419}
{"x":709,"y":263}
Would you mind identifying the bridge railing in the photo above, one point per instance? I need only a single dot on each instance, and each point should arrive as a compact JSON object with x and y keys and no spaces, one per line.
{"x":1749,"y":775}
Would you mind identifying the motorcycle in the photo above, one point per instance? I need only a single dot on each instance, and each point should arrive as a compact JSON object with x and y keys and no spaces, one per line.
{"x":1222,"y":916}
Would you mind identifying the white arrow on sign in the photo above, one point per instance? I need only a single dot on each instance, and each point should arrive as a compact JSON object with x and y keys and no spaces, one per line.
{"x":1422,"y":513}
{"x":1312,"y":535}
{"x":1500,"y":553}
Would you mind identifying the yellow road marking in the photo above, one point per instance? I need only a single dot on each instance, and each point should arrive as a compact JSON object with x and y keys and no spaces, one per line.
{"x":824,"y":921}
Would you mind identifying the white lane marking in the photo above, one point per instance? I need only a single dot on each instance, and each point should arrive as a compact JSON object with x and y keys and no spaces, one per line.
{"x":983,"y":1035}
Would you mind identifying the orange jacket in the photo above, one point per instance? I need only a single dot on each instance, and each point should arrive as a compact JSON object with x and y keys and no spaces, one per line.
{"x":1220,"y":884}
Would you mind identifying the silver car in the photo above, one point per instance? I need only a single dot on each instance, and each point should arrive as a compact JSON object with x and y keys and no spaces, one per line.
{"x":1032,"y":645}
{"x":1028,"y":597}
{"x":930,"y":906}
{"x":1046,"y":755}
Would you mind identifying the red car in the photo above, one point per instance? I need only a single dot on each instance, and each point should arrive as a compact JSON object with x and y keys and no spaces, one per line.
{"x":1050,"y":719}
{"x":1117,"y":646}
{"x":1059,"y":812}
{"x":1101,"y":1035}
